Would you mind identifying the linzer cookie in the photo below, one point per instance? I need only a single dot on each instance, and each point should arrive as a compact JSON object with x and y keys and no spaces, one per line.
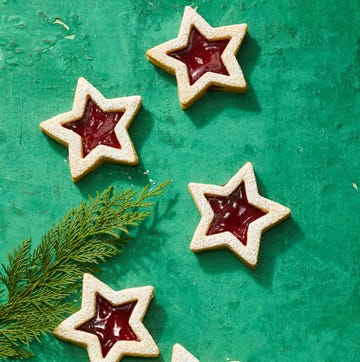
{"x":109,"y":323}
{"x":95,"y":130}
{"x":180,"y":354}
{"x":234,"y":216}
{"x":202,"y":57}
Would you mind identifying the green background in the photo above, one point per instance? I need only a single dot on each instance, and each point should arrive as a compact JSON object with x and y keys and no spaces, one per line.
{"x":298,"y":124}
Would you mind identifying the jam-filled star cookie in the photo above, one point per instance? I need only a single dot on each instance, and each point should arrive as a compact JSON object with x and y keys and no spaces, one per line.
{"x":95,"y":130}
{"x":234,"y":216}
{"x":109,"y":323}
{"x":202,"y":57}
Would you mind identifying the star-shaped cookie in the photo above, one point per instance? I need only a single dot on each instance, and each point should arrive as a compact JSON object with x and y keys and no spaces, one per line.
{"x":180,"y":354}
{"x":234,"y":216}
{"x":202,"y":57}
{"x":109,"y":323}
{"x":95,"y":130}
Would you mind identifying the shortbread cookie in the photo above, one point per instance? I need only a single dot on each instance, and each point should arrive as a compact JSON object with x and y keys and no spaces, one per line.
{"x":109,"y":323}
{"x":202,"y":57}
{"x":234,"y":216}
{"x":180,"y":354}
{"x":95,"y":130}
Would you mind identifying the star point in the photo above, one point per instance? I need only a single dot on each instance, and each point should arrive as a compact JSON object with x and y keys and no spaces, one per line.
{"x":180,"y":354}
{"x":215,"y":65}
{"x":95,"y":130}
{"x":109,"y":323}
{"x":234,"y":216}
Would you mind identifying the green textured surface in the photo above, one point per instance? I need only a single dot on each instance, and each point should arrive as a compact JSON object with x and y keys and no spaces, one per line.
{"x":298,"y":124}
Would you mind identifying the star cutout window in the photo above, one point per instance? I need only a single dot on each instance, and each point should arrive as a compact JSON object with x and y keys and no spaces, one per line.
{"x":233,"y":213}
{"x":202,"y":55}
{"x":96,"y":127}
{"x":110,"y":324}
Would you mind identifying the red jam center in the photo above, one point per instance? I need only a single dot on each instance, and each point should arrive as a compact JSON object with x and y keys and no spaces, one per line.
{"x":202,"y":56}
{"x":110,"y":324}
{"x":96,"y":127}
{"x":233,"y":213}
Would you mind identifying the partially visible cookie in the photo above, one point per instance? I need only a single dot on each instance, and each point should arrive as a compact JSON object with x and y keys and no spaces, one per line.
{"x":109,"y":323}
{"x":180,"y":354}
{"x":202,"y":57}
{"x":234,"y":216}
{"x":95,"y":130}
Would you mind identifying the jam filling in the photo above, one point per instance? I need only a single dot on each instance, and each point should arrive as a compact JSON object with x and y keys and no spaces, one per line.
{"x":233,"y":213}
{"x":110,"y":324}
{"x":201,"y":55}
{"x":96,"y":127}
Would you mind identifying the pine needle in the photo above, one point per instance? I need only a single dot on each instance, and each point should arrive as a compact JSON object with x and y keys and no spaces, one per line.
{"x":39,"y":283}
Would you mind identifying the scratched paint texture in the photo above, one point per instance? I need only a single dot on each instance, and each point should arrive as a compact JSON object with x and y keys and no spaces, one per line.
{"x":298,"y":124}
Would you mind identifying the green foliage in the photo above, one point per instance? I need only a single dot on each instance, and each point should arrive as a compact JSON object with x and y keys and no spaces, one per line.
{"x":39,"y":282}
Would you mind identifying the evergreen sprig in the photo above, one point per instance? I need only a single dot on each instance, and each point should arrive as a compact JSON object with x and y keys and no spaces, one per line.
{"x":36,"y":285}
